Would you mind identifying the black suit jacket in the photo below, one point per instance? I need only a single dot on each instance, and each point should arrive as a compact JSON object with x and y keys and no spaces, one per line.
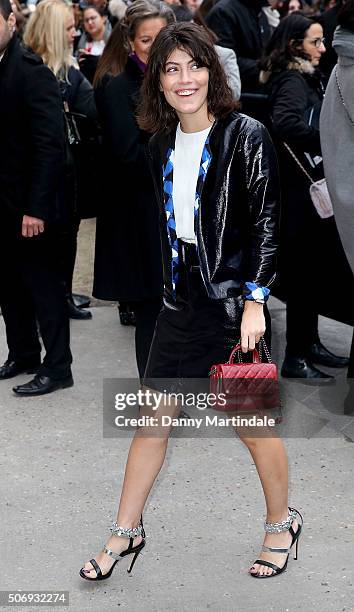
{"x":236,"y":24}
{"x":31,"y":135}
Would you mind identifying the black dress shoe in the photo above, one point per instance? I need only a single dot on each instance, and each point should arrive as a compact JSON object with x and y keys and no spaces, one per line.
{"x":319,"y":354}
{"x":298,"y":367}
{"x":12,"y":368}
{"x":77,"y":313}
{"x":40,"y":385}
{"x":81,"y":301}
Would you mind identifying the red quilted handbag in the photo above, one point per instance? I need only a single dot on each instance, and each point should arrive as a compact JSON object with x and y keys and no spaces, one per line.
{"x":245,"y":386}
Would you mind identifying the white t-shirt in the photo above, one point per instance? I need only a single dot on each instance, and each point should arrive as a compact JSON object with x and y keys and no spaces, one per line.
{"x":187,"y":156}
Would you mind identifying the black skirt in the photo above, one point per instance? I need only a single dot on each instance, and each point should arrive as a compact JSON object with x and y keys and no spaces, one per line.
{"x":194,"y":332}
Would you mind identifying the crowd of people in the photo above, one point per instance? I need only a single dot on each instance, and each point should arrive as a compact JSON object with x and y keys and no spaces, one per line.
{"x":273,"y":54}
{"x":145,"y":96}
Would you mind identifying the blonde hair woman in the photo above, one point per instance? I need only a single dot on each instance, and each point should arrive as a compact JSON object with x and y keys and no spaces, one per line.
{"x":50,"y":33}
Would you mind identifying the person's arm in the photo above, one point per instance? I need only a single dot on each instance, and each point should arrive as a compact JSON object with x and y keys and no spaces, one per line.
{"x":46,"y":130}
{"x":290,"y":102}
{"x":84,"y":102}
{"x":229,"y":63}
{"x":263,"y":195}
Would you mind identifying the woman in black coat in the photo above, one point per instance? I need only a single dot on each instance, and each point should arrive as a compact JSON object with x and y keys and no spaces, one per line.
{"x":50,"y":33}
{"x":296,"y":95}
{"x":128,"y":256}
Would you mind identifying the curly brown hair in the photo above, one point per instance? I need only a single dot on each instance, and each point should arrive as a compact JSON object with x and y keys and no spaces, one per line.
{"x":154,"y":112}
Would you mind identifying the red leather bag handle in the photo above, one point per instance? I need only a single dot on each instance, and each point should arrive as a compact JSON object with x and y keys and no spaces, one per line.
{"x":237,"y":349}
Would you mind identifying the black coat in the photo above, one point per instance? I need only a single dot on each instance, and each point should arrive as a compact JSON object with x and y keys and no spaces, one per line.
{"x":32,"y":135}
{"x":128,"y":253}
{"x":292,"y":94}
{"x":237,"y":231}
{"x":79,"y":95}
{"x":236,"y":24}
{"x":308,"y":244}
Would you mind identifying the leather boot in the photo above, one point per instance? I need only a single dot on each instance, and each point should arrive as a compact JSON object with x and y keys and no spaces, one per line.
{"x":320,"y":354}
{"x":299,"y":367}
{"x":75,"y":312}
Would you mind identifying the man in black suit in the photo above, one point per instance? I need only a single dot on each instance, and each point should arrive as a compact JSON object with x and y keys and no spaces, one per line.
{"x":31,"y":162}
{"x":243,"y":27}
{"x":237,"y":25}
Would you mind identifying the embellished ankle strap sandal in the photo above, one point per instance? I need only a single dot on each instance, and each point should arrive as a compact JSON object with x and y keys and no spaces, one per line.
{"x":118,"y":530}
{"x":278,"y":528}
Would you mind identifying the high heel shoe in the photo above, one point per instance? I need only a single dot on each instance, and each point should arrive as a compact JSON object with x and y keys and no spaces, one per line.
{"x":277,"y":528}
{"x":131,"y":550}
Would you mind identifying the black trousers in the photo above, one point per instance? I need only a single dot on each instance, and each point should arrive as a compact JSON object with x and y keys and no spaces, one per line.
{"x":68,"y":239}
{"x":301,"y":326}
{"x":32,"y":290}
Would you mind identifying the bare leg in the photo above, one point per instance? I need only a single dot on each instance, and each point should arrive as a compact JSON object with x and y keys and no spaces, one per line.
{"x":145,"y":459}
{"x":271,"y":462}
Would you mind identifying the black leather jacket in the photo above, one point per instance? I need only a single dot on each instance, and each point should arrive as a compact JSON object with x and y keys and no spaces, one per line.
{"x":237,"y":230}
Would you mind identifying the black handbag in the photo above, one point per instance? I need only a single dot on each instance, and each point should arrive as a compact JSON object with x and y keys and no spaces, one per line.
{"x":71,"y":129}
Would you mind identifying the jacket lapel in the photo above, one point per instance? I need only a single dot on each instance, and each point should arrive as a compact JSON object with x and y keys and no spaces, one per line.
{"x":170,"y":215}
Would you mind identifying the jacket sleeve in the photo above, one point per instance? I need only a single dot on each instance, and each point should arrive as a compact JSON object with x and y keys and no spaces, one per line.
{"x":84,"y":102}
{"x":263,"y":194}
{"x":229,"y":63}
{"x":46,"y":127}
{"x":289,"y":106}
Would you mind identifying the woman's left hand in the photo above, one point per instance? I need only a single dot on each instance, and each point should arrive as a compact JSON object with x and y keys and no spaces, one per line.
{"x":252,"y":325}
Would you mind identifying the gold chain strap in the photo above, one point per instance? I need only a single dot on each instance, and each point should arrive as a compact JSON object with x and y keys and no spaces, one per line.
{"x":299,"y":163}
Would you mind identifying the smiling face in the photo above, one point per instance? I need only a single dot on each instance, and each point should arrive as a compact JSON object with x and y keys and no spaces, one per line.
{"x":313,"y":43}
{"x":185,"y":87}
{"x":145,"y":35}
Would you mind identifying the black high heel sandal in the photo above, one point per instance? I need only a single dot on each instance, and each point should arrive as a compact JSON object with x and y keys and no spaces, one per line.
{"x":277,"y":528}
{"x":131,"y":550}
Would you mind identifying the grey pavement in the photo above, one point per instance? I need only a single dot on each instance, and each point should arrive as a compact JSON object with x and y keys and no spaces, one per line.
{"x":60,"y":481}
